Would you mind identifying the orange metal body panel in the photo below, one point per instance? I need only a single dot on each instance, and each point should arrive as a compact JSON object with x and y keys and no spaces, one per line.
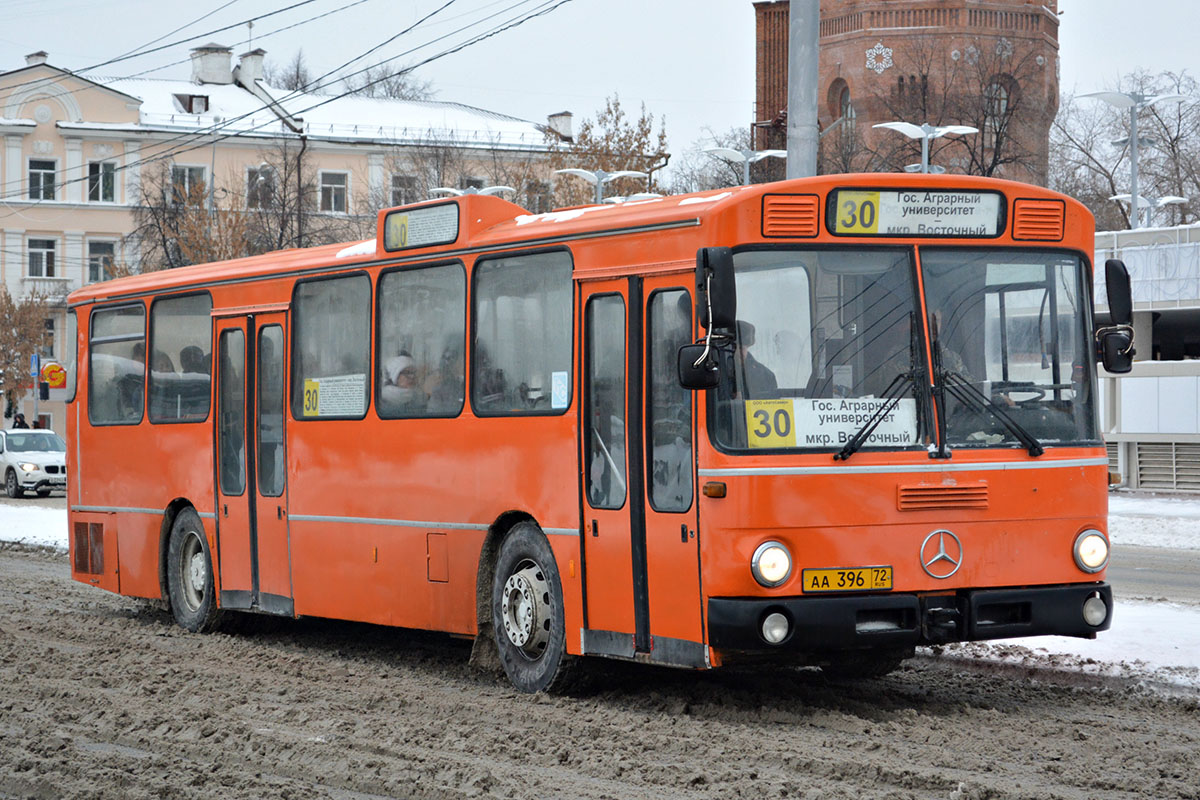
{"x":363,"y":497}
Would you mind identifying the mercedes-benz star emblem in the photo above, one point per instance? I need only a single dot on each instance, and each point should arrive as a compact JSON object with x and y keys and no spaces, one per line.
{"x":941,"y":554}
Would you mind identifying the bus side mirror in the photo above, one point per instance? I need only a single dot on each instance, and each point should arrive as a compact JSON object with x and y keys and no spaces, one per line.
{"x":716,"y":292}
{"x":1120,"y":299}
{"x":704,"y":376}
{"x":1116,"y":348}
{"x":1115,"y":343}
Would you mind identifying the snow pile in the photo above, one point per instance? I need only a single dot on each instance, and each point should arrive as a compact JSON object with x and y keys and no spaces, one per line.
{"x":37,"y":526}
{"x":1154,"y":521}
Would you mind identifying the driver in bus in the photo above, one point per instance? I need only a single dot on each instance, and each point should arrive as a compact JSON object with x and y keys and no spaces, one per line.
{"x":758,"y":379}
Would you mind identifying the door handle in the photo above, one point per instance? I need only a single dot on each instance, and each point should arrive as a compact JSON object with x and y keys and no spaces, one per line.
{"x":683,"y":533}
{"x":279,"y":512}
{"x":595,"y":528}
{"x":225,"y":509}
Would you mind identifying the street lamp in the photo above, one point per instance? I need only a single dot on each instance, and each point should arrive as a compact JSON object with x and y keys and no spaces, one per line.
{"x":598,"y":177}
{"x":1135,"y":102}
{"x":1149,"y":203}
{"x":747,"y":157}
{"x":926,"y":132}
{"x":471,"y":190}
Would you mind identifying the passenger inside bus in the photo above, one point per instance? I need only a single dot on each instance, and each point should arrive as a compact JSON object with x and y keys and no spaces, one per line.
{"x":400,"y":394}
{"x":446,"y":387}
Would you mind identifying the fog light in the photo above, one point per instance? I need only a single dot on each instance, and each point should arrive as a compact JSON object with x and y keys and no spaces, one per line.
{"x":771,"y":564}
{"x":1094,"y":610}
{"x":1091,"y":550}
{"x":775,"y":627}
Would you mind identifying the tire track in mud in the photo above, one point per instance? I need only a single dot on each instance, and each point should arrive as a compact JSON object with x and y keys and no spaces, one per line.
{"x":102,"y":696}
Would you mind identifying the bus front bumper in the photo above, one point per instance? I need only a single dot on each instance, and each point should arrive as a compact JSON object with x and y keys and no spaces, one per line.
{"x":848,"y":622}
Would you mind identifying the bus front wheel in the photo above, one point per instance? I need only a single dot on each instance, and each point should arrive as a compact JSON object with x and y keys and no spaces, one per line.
{"x":190,"y":581}
{"x":527,"y":612}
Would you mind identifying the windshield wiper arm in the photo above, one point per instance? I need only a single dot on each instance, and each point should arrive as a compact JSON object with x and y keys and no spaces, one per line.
{"x":892,"y":395}
{"x":968,"y":395}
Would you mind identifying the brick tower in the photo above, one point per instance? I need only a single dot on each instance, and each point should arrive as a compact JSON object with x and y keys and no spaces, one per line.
{"x":991,"y":64}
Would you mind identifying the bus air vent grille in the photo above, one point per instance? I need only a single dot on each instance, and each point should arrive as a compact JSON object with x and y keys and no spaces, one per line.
{"x":791,"y":215}
{"x":89,"y":547}
{"x":1038,"y":220}
{"x":925,"y":496}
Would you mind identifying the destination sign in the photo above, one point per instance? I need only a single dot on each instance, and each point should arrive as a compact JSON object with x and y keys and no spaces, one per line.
{"x":421,"y":227}
{"x":915,"y":212}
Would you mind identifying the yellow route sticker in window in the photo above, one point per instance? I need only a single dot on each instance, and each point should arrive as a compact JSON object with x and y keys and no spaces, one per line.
{"x":857,"y":212}
{"x":312,"y":398}
{"x":770,"y":423}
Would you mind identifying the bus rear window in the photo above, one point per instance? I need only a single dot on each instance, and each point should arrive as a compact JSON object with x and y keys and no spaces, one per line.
{"x":180,"y":361}
{"x":521,"y":359}
{"x":330,"y":347}
{"x":117,"y":364}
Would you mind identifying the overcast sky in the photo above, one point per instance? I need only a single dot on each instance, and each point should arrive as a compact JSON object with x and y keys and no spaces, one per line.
{"x":690,"y":61}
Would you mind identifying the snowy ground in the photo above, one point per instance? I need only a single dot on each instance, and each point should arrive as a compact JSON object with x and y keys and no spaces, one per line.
{"x":1154,"y":643}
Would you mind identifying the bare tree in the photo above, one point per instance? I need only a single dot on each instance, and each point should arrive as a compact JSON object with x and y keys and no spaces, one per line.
{"x":293,"y":76}
{"x":611,"y":142}
{"x":990,"y":85}
{"x":396,"y":84}
{"x":1090,"y":151}
{"x":22,"y":333}
{"x":695,"y":170}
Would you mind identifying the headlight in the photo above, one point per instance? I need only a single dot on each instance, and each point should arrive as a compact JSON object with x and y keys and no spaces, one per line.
{"x":1091,"y":551}
{"x":28,"y":467}
{"x":772,"y":564}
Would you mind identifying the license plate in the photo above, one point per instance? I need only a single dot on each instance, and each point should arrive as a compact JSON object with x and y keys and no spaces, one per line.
{"x":853,"y":579}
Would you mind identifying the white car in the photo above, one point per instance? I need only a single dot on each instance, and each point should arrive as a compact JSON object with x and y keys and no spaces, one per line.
{"x":34,"y":460}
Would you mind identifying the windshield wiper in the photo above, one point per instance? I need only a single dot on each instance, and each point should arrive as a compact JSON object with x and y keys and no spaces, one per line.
{"x":968,"y":395}
{"x":892,"y":395}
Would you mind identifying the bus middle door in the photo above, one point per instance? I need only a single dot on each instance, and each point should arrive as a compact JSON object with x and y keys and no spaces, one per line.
{"x":253,"y":546}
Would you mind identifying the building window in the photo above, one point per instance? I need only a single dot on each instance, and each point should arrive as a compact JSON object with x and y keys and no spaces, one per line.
{"x":997,"y":106}
{"x":472,"y":182}
{"x":848,"y":115}
{"x":538,"y":197}
{"x":42,"y":257}
{"x":101,"y":256}
{"x":192,"y":103}
{"x":102,"y":182}
{"x":47,"y":348}
{"x":404,"y":190}
{"x":187,"y":184}
{"x":260,"y":187}
{"x":41,"y":179}
{"x":333,"y":192}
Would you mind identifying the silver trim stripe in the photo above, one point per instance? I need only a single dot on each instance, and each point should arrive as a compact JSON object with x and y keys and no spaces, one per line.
{"x":411,"y":523}
{"x":158,"y":512}
{"x":988,"y":466}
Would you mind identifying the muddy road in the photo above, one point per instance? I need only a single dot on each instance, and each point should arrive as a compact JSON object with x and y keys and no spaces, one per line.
{"x":102,"y":696}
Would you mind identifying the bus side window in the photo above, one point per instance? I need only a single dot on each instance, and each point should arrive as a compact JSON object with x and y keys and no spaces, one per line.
{"x":521,"y":361}
{"x":669,"y":404}
{"x":422,"y":328}
{"x":331,"y":336}
{"x":117,"y":363}
{"x":179,"y":391}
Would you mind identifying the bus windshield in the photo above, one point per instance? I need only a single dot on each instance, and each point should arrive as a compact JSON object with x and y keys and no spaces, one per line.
{"x":1012,"y":332}
{"x":825,"y":339}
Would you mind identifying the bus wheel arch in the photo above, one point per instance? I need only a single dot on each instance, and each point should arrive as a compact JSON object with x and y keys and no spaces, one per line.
{"x":527,"y":612}
{"x":164,"y":542}
{"x":484,"y":654}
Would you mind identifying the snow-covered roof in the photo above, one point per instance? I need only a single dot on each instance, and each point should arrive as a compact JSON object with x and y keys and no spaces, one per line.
{"x":233,"y":109}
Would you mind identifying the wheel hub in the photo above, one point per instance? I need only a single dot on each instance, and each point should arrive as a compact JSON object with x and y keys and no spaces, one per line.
{"x":525,"y":609}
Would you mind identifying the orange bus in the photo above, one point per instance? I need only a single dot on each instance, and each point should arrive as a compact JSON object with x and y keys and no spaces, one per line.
{"x":820,"y":422}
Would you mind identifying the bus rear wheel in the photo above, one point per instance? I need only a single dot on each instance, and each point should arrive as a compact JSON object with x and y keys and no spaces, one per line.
{"x":527,"y":613}
{"x":190,"y":583}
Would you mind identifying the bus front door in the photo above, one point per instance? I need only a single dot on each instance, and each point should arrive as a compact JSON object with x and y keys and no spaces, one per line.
{"x":253,"y":548}
{"x":641,"y":556}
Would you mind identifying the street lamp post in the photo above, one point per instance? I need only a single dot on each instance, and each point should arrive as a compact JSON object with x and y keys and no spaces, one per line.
{"x":598,"y":177}
{"x":746,"y":157}
{"x":1151,"y":204}
{"x":1135,"y":102}
{"x":926,"y":133}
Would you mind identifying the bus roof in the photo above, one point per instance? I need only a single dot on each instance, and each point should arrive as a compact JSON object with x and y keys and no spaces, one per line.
{"x":491,"y":223}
